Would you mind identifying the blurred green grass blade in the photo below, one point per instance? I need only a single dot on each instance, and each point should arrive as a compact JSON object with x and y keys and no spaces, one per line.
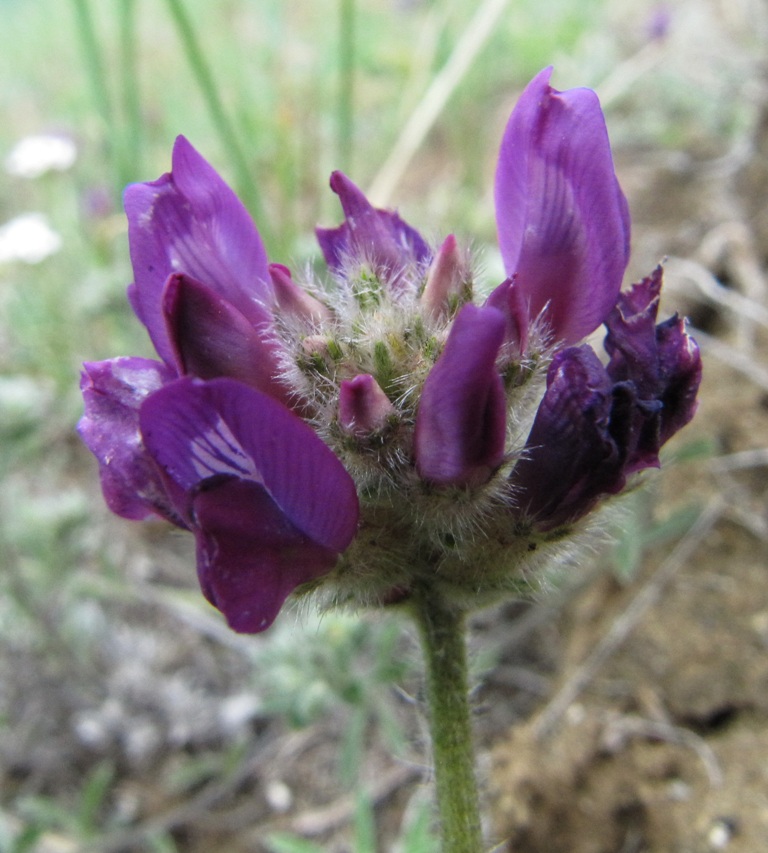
{"x":346,"y":116}
{"x":478,"y":30}
{"x":365,"y":824}
{"x":93,"y":796}
{"x":129,"y":91}
{"x":281,"y":842}
{"x":96,"y":71}
{"x":352,"y":752}
{"x":419,"y":835}
{"x":94,"y":62}
{"x":224,"y":127}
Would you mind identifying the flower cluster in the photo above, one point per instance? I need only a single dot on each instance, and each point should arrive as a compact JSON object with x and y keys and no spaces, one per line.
{"x":382,"y":431}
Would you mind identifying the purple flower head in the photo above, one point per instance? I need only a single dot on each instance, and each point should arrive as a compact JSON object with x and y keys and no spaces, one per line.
{"x":562,"y":218}
{"x":365,"y":436}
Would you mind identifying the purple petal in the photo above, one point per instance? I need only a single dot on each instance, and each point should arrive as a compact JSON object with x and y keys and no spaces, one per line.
{"x":662,"y":361}
{"x":631,"y":338}
{"x":508,"y":299}
{"x":113,"y":392}
{"x":571,"y":455}
{"x":379,"y":237}
{"x":211,"y":338}
{"x":562,"y":219}
{"x":680,"y":371}
{"x":250,"y":556}
{"x":461,"y":421}
{"x":190,"y":221}
{"x":198,"y":430}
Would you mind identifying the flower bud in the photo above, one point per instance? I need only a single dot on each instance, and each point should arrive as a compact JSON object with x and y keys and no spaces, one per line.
{"x":363,"y":406}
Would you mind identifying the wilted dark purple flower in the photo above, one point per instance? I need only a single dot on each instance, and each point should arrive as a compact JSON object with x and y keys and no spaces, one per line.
{"x":597,"y":425}
{"x":369,"y":436}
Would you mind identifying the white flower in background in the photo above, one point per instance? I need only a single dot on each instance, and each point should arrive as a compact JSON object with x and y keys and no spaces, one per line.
{"x":33,"y":156}
{"x":28,"y":238}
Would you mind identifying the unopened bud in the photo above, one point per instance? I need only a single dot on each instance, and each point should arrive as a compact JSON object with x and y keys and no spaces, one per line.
{"x":294,"y":300}
{"x":363,"y":406}
{"x":446,"y":280}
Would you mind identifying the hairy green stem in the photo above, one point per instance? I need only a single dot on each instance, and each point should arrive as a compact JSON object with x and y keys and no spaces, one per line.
{"x":443,"y":640}
{"x":215,"y":105}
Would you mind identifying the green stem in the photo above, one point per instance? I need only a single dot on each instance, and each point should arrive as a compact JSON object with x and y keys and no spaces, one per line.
{"x":221,"y":120}
{"x":443,"y":641}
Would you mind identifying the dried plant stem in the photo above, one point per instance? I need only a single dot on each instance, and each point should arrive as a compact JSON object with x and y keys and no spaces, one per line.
{"x":442,"y":629}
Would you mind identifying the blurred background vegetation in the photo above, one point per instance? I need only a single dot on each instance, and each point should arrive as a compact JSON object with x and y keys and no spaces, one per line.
{"x":130,"y":719}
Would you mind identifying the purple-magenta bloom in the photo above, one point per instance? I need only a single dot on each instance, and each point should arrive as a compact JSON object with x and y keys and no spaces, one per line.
{"x":367,"y":435}
{"x":662,"y":361}
{"x":189,"y":221}
{"x":562,"y":218}
{"x":252,"y":481}
{"x":573,"y":453}
{"x":204,"y":291}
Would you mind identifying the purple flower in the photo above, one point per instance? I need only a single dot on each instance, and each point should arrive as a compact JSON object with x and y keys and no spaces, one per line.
{"x":254,"y":483}
{"x":189,"y":221}
{"x":366,"y":435}
{"x":562,"y":218}
{"x":573,"y":453}
{"x":661,"y":361}
{"x":205,"y":293}
{"x":597,"y":425}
